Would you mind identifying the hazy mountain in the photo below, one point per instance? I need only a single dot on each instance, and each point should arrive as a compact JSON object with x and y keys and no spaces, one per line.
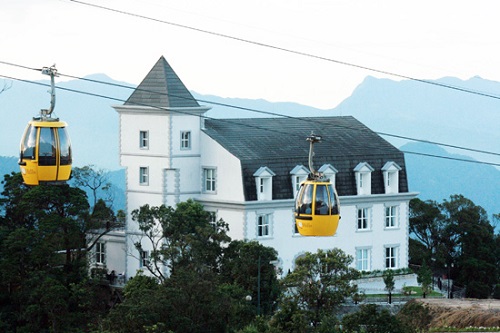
{"x":437,"y":179}
{"x":430,"y":112}
{"x":407,"y":108}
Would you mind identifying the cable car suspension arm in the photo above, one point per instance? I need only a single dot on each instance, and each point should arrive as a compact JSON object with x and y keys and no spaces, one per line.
{"x":312,"y":140}
{"x":52,"y":72}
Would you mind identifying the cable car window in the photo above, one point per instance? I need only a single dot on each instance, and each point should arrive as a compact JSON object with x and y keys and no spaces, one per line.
{"x":64,"y":146}
{"x":321,"y":207}
{"x":333,"y":200}
{"x":47,"y":147}
{"x":306,"y":197}
{"x":29,"y":143}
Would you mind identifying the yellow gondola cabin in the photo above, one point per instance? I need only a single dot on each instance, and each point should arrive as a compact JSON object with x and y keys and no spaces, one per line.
{"x":317,"y":207}
{"x":45,"y":152}
{"x":45,"y":155}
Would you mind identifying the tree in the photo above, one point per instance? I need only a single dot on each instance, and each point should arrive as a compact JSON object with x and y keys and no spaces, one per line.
{"x":248,"y":264}
{"x":473,"y":239}
{"x":388,"y":278}
{"x":415,"y":315}
{"x":424,"y":278}
{"x":181,"y":237}
{"x":96,"y":180}
{"x":457,"y":233}
{"x":319,"y":284}
{"x":427,"y":225}
{"x":371,"y":319}
{"x":43,"y":271}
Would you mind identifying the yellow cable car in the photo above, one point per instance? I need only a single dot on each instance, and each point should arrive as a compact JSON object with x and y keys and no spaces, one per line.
{"x":45,"y":155}
{"x":317,"y":208}
{"x":45,"y":152}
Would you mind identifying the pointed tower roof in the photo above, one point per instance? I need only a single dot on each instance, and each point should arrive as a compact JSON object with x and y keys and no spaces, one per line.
{"x":162,"y":88}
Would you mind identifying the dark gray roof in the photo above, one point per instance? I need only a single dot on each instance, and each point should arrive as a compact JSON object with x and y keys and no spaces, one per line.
{"x":162,"y":88}
{"x":280,"y":144}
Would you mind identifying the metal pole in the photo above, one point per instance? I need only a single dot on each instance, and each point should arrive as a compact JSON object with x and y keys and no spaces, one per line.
{"x":258,"y":290}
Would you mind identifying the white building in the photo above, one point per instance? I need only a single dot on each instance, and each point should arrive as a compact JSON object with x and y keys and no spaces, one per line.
{"x":246,"y":172}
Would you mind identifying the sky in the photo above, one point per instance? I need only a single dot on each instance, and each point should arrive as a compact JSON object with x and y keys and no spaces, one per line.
{"x":312,"y":52}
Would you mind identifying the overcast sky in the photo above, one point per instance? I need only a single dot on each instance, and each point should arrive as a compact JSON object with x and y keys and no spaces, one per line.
{"x":421,"y":39}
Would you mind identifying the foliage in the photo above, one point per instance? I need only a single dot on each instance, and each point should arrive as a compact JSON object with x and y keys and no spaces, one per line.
{"x":208,"y":280}
{"x":319,"y":284}
{"x":415,"y":315}
{"x":424,"y":278}
{"x":96,"y":180}
{"x":371,"y":319}
{"x":388,"y":278}
{"x":181,"y":237}
{"x":248,"y":264}
{"x":43,"y":269}
{"x":427,"y":225}
{"x":457,"y":233}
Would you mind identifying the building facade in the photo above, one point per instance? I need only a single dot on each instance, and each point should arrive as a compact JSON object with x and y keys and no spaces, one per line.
{"x":247,"y":171}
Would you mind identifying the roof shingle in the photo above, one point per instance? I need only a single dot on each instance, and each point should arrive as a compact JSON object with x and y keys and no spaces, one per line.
{"x":280,"y":144}
{"x":162,"y":88}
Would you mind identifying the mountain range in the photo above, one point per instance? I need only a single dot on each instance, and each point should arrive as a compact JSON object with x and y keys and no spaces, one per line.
{"x":405,"y":110}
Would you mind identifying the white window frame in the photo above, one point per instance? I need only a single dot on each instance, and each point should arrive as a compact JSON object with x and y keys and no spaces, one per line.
{"x":365,"y":217}
{"x":299,"y":175}
{"x":363,"y":259}
{"x":263,"y":225}
{"x":144,"y":176}
{"x":100,"y":253}
{"x":144,"y":139}
{"x":144,"y":258}
{"x":185,"y":140}
{"x":391,"y":177}
{"x":264,"y":183}
{"x":391,"y":256}
{"x":391,"y":216}
{"x":213,"y":218}
{"x":209,"y":180}
{"x":363,"y":173}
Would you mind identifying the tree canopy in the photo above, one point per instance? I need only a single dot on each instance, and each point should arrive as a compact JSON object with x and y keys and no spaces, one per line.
{"x":456,"y":233}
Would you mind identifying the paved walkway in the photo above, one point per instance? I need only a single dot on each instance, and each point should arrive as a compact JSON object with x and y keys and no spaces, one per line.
{"x":376,"y":285}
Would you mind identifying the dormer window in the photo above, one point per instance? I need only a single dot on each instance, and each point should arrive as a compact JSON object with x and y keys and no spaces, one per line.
{"x":391,"y":177}
{"x":264,"y":182}
{"x":329,"y":172}
{"x":363,"y":173}
{"x":299,"y":175}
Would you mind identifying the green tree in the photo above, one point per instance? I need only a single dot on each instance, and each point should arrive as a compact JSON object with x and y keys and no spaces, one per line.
{"x":372,"y":319}
{"x":473,"y":241}
{"x":458,"y":233}
{"x":194,"y":295}
{"x":249,"y":265}
{"x":424,"y":278}
{"x":427,"y":225}
{"x":181,"y":237}
{"x":95,"y":180}
{"x":388,"y":278}
{"x":416,"y":316}
{"x":320,"y":283}
{"x":43,"y":258}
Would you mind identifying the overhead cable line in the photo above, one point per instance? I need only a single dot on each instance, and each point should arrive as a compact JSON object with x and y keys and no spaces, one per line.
{"x":279,"y":48}
{"x":255,"y":110}
{"x":251,"y":110}
{"x":450,"y":158}
{"x":234,"y":121}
